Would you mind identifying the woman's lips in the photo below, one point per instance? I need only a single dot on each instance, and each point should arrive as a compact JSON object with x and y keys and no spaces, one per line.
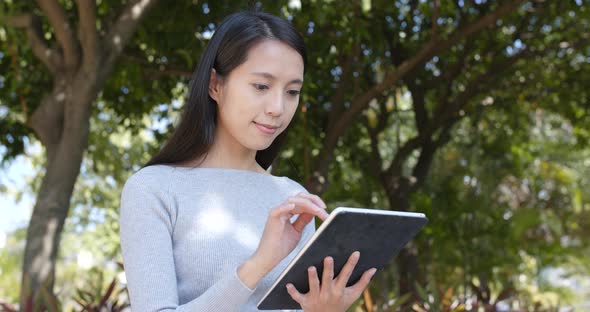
{"x":264,"y":129}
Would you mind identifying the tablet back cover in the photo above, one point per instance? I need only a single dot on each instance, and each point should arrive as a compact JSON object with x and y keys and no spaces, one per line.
{"x":378,"y":238}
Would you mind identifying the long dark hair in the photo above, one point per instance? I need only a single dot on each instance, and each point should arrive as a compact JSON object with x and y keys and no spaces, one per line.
{"x":226,"y":50}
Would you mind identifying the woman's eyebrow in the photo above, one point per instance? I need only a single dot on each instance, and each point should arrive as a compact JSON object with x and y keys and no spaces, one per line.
{"x":272,"y":77}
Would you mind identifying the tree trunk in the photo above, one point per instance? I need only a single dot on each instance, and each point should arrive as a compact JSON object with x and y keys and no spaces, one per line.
{"x":79,"y":67}
{"x":398,"y":193}
{"x":64,"y":158}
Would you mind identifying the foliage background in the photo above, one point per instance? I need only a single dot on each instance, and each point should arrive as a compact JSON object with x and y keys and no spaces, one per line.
{"x":505,"y":189}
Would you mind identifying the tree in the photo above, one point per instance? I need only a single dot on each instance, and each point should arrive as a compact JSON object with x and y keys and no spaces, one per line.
{"x":344,"y":112}
{"x":387,"y":49}
{"x":78,"y":68}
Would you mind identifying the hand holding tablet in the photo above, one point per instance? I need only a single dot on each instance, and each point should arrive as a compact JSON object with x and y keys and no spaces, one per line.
{"x":332,"y":293}
{"x":378,"y":234}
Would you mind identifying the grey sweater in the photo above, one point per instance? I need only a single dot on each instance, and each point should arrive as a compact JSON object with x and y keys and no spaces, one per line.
{"x":185,"y":231}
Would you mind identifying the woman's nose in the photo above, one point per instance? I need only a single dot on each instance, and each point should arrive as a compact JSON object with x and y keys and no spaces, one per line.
{"x":276,"y":105}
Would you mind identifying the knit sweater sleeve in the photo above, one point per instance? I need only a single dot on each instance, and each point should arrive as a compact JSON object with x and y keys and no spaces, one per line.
{"x":146,"y":228}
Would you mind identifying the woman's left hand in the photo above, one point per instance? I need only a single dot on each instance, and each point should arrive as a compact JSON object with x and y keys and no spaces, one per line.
{"x":333,"y":295}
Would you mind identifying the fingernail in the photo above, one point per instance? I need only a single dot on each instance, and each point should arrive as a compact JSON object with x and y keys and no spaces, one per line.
{"x":372,"y":272}
{"x":289,"y":286}
{"x":311,"y":268}
{"x":357,"y":254}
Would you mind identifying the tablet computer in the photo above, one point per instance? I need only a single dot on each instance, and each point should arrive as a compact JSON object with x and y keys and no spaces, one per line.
{"x":378,"y":234}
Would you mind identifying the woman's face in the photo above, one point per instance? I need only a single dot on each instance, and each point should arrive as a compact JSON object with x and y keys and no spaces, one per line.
{"x":264,"y":90}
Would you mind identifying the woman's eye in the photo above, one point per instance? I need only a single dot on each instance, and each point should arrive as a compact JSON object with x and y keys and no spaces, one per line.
{"x":260,"y":86}
{"x":293,"y":92}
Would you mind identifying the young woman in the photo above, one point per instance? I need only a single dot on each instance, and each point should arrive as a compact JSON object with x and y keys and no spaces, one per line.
{"x":204,"y":226}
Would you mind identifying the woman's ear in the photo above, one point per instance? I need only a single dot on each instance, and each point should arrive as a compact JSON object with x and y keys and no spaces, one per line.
{"x":214,"y":86}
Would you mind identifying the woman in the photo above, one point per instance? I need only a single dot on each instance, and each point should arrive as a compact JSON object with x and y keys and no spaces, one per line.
{"x":204,"y":226}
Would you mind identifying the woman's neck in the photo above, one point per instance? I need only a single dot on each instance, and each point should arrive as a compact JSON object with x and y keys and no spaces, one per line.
{"x":227,"y":152}
{"x":208,"y":161}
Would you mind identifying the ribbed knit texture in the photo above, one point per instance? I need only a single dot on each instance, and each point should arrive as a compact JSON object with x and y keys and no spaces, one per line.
{"x":184,"y":232}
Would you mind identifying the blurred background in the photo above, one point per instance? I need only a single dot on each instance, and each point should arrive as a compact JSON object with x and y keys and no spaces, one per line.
{"x":475,"y":113}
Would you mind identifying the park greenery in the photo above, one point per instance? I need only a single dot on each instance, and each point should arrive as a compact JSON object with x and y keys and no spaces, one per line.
{"x":474,"y":112}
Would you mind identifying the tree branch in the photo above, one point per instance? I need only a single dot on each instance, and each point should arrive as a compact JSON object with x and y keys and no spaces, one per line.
{"x":47,"y":119}
{"x":422,"y":167}
{"x":433,"y":47}
{"x":31,"y":24}
{"x":120,"y":33}
{"x":452,"y":70}
{"x":88,"y":33}
{"x":383,"y":113}
{"x":21,"y":98}
{"x":376,"y":161}
{"x":63,"y":32}
{"x":418,"y":105}
{"x":434,"y":30}
{"x":338,"y":96}
{"x":447,"y":111}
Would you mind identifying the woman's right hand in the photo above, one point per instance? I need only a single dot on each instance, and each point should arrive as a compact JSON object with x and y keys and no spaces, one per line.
{"x":280,"y":236}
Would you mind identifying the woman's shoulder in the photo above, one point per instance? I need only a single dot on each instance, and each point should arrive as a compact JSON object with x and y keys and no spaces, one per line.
{"x":152,"y":171}
{"x":153,"y":176}
{"x":295,"y":186}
